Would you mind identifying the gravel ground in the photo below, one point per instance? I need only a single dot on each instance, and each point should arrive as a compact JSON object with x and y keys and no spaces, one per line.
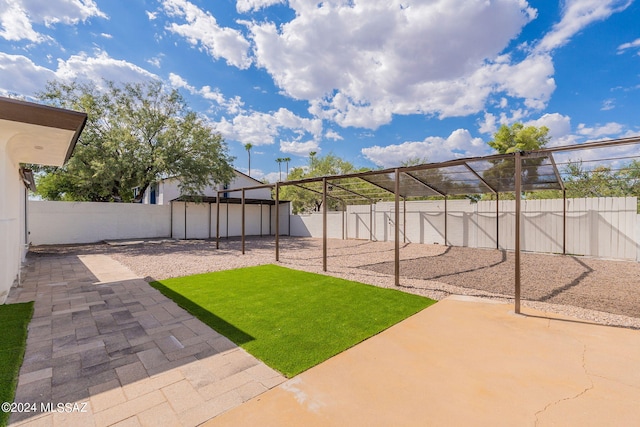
{"x":601,"y":291}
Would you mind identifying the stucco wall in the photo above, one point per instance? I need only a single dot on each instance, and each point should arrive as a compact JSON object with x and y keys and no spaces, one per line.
{"x":168,"y":190}
{"x":11,"y":224}
{"x":88,"y":222}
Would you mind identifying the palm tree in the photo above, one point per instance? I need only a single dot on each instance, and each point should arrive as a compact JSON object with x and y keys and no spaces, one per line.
{"x":248,"y":146}
{"x":287,"y":160}
{"x":280,"y":160}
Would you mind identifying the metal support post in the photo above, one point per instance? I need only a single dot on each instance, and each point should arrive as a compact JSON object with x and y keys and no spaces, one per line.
{"x":324,"y":224}
{"x":397,"y":229}
{"x":564,"y":222}
{"x":518,"y":195}
{"x":218,"y":220}
{"x":446,"y":222}
{"x":277,"y":221}
{"x":243,"y":218}
{"x":497,"y":220}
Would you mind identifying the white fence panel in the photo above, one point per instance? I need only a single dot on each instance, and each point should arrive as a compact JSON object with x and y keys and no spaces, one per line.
{"x":201,"y":220}
{"x":310,"y":225}
{"x":87,"y":222}
{"x":460,"y":223}
{"x":486,"y":224}
{"x":359,"y":224}
{"x":600,"y":227}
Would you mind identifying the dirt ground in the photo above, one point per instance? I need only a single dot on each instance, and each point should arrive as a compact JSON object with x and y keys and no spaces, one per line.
{"x":594,"y":284}
{"x":610,"y":286}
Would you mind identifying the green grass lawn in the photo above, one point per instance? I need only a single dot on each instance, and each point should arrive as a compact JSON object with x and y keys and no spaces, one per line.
{"x":291,"y":320}
{"x":14,"y":319}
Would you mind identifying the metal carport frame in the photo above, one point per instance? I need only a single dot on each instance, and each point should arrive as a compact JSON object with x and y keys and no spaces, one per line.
{"x":518,"y":178}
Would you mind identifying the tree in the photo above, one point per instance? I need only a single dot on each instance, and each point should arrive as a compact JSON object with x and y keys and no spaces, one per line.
{"x":510,"y":139}
{"x":248,"y":146}
{"x":519,"y":138}
{"x":307,"y":201}
{"x":135,"y":134}
{"x":601,"y":181}
{"x":414,"y":161}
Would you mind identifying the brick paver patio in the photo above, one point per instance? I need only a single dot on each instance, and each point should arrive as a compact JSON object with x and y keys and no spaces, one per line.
{"x":103,"y":338}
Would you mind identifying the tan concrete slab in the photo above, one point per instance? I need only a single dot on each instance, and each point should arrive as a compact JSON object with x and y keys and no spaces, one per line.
{"x":106,"y":269}
{"x":465,"y":362}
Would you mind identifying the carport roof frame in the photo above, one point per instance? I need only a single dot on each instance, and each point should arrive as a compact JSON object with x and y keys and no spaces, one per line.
{"x":516,"y":180}
{"x":465,"y":176}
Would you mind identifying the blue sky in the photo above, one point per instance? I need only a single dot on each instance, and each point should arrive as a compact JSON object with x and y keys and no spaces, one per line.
{"x":375,"y":82}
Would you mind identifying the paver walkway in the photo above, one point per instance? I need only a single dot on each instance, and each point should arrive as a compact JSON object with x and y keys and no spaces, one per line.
{"x":103,"y":338}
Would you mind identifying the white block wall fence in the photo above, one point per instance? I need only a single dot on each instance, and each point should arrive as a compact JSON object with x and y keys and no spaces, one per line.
{"x":599,"y":227}
{"x":54,"y":223}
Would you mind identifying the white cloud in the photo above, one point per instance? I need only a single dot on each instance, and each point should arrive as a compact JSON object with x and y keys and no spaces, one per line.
{"x":611,"y":129}
{"x":608,"y":104}
{"x":20,"y":75}
{"x":435,"y":149}
{"x":630,"y":45}
{"x":15,"y":24}
{"x":17,"y":17}
{"x":359,"y":63}
{"x":559,"y":125}
{"x":331,"y":134}
{"x":244,"y":6}
{"x":230,"y":105}
{"x":101,"y":66}
{"x":271,"y":176}
{"x":530,"y":79}
{"x":68,"y":12}
{"x":299,"y":148}
{"x":260,"y":128}
{"x":488,"y":125}
{"x":576,"y":15}
{"x":156,"y":61}
{"x":201,"y":28}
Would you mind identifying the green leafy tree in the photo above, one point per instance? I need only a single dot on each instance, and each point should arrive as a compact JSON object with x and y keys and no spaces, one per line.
{"x":630,"y":174}
{"x":601,"y":181}
{"x":308,"y":201}
{"x":510,"y":139}
{"x":135,"y":135}
{"x":517,"y":137}
{"x":414,"y":161}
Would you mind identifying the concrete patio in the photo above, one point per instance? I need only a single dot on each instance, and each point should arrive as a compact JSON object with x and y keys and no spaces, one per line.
{"x":103,"y":337}
{"x":465,"y":362}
